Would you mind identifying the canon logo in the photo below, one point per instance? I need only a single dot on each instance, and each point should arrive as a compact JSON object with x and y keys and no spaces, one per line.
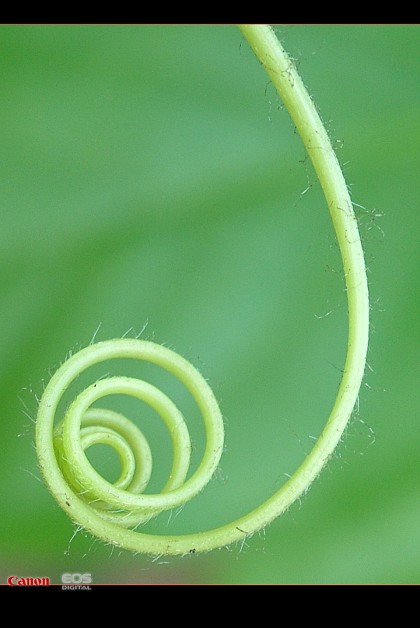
{"x":18,"y":581}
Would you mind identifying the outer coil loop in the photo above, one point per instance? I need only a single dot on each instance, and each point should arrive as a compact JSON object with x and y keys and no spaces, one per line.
{"x":62,"y":449}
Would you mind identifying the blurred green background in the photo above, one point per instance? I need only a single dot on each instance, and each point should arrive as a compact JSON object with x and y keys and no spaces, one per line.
{"x":150,"y":177}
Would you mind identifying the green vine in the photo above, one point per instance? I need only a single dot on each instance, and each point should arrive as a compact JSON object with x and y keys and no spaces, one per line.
{"x":111,"y":511}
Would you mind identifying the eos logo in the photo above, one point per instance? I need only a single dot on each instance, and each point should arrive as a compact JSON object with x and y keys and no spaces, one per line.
{"x":76,"y":578}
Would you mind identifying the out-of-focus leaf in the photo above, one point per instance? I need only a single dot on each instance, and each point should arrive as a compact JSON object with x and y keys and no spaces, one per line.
{"x":150,"y":174}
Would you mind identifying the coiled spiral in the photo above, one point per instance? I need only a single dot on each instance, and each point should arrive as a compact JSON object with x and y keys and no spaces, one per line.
{"x":89,"y":498}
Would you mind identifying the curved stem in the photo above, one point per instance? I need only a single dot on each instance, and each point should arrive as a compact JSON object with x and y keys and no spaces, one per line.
{"x":106,"y":510}
{"x":289,"y":85}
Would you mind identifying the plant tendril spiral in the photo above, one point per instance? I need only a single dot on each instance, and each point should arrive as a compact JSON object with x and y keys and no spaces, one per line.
{"x":112,"y":511}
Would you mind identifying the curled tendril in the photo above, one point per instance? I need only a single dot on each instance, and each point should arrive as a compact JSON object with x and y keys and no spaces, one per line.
{"x":110,"y":510}
{"x":76,"y":485}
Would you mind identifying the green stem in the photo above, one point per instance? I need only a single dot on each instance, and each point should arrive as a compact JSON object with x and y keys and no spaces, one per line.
{"x":107,"y":510}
